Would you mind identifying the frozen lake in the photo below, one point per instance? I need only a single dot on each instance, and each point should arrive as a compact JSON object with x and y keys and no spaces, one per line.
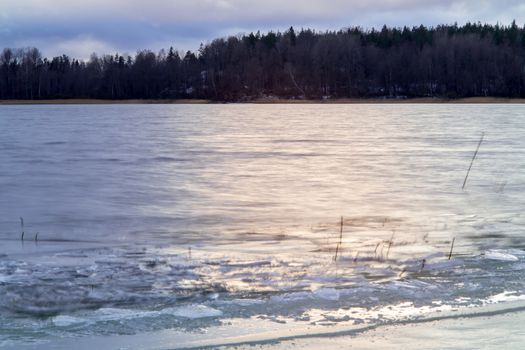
{"x":225,"y":219}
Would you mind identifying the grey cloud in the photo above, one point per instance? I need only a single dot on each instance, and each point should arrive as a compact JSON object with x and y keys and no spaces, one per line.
{"x":127,"y":25}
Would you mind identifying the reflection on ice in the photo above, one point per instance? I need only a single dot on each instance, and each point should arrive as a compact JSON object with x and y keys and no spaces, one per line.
{"x":128,"y":289}
{"x":191,"y":218}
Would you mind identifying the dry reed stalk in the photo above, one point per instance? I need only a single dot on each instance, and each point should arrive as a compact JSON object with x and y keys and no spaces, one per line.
{"x":472,"y":161}
{"x":22,"y":227}
{"x":375,"y":250}
{"x":340,"y":240}
{"x":390,"y":244}
{"x":451,"y":248}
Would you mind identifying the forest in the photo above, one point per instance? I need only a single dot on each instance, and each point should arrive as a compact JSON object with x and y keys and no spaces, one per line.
{"x":447,"y":61}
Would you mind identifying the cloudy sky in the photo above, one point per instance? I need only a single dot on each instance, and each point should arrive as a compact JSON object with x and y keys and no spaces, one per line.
{"x":80,"y":27}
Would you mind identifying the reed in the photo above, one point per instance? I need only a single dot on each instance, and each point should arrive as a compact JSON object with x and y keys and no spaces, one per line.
{"x":451,"y":248}
{"x":22,"y":228}
{"x":340,"y":240}
{"x":375,"y":250}
{"x":472,"y":161}
{"x":423,"y":262}
{"x":390,"y":244}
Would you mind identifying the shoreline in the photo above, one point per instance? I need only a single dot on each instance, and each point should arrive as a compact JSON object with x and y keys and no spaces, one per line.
{"x":500,"y":331}
{"x":416,"y":100}
{"x":496,"y":324}
{"x":87,"y":101}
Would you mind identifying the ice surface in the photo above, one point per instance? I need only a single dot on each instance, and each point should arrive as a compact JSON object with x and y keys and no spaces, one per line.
{"x":193,"y":311}
{"x":193,"y":218}
{"x":500,"y":255}
{"x":327,"y":293}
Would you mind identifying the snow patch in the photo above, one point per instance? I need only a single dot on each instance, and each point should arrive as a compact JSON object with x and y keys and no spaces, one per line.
{"x":501,"y":255}
{"x":327,"y":294}
{"x":65,"y":321}
{"x":193,"y":311}
{"x":505,"y":297}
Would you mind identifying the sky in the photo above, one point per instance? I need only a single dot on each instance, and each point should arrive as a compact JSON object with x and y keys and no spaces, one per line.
{"x":80,"y":27}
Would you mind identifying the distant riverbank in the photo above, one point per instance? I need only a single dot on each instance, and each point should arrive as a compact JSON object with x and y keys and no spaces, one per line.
{"x":395,"y":100}
{"x":467,"y":100}
{"x":79,"y":101}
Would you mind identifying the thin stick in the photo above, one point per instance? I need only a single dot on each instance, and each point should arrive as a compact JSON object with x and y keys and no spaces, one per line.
{"x":451,"y":248}
{"x":388,"y":250}
{"x":375,"y":250}
{"x":390,"y":244}
{"x":341,"y":232}
{"x":340,"y":240}
{"x":22,"y":227}
{"x":472,"y":161}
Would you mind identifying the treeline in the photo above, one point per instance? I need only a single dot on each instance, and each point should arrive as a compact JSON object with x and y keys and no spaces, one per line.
{"x":444,"y":61}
